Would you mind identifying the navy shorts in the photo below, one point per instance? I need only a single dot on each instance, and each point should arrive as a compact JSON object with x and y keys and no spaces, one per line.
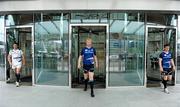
{"x":88,"y":68}
{"x":167,"y":71}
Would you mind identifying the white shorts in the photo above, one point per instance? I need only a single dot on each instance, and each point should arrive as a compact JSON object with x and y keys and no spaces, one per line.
{"x":16,"y":66}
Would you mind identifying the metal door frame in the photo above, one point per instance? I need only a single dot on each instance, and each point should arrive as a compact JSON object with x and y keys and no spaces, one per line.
{"x":107,"y":49}
{"x":32,"y":47}
{"x":146,"y":45}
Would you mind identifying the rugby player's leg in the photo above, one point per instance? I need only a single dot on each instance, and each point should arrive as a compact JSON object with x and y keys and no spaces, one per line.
{"x":169,"y":78}
{"x":17,"y":73}
{"x":91,"y":81}
{"x":164,"y":81}
{"x":85,"y":80}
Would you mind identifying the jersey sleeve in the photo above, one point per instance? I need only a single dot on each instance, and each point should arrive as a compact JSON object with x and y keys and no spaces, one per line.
{"x":94,"y":51}
{"x":82,"y":52}
{"x":161,"y":55}
{"x":10,"y":52}
{"x":21,"y":52}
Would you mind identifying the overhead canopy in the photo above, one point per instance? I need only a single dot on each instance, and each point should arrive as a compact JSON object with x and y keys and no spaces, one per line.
{"x":116,"y":27}
{"x":27,"y":5}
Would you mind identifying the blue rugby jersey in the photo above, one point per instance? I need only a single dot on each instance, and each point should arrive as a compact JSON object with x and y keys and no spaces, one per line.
{"x":88,"y":55}
{"x":166,"y":59}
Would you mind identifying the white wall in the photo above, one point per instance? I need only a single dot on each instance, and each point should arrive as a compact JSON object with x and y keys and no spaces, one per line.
{"x":25,"y":5}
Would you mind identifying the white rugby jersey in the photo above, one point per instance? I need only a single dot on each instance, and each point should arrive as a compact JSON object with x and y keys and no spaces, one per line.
{"x":16,"y":56}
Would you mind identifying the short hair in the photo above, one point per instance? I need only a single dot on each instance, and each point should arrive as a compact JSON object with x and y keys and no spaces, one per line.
{"x":88,"y":39}
{"x":15,"y":43}
{"x":166,"y":45}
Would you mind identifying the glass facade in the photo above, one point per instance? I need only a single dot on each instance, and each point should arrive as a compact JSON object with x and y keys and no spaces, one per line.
{"x":126,"y":37}
{"x":78,"y":36}
{"x":126,"y":60}
{"x":156,"y":39}
{"x":89,"y":17}
{"x":19,"y":19}
{"x":161,"y":29}
{"x":161,"y":19}
{"x":22,"y":36}
{"x":19,"y":29}
{"x":51,"y":49}
{"x":178,"y":53}
{"x":2,"y":49}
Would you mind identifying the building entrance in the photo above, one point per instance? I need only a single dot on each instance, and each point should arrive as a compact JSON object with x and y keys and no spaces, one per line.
{"x":78,"y":36}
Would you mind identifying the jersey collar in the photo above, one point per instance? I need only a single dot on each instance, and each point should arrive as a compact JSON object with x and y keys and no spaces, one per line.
{"x":166,"y":52}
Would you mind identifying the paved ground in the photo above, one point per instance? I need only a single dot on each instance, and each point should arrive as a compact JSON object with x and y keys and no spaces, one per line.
{"x":46,"y":96}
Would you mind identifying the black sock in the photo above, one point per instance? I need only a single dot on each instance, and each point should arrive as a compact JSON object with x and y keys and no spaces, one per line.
{"x":85,"y":83}
{"x":165,"y":83}
{"x":8,"y":72}
{"x":92,"y":86}
{"x":17,"y":77}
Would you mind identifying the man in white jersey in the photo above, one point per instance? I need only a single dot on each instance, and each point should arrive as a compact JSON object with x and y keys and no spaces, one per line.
{"x":16,"y":60}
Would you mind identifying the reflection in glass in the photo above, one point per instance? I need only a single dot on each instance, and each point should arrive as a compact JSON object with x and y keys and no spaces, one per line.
{"x":51,"y":50}
{"x":19,"y":19}
{"x":89,"y":17}
{"x":126,"y":50}
{"x":162,"y":19}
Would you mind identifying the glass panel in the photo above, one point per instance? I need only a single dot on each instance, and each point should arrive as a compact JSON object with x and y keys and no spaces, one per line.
{"x":126,"y":60}
{"x":178,"y":53}
{"x":19,"y":19}
{"x":79,"y":35}
{"x":2,"y":49}
{"x":51,"y":49}
{"x":162,"y":19}
{"x":89,"y":17}
{"x":157,"y":37}
{"x":23,"y":36}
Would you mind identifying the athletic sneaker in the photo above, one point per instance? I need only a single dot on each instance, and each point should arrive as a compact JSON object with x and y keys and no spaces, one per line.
{"x":8,"y":80}
{"x":17,"y":84}
{"x":161,"y":84}
{"x":166,"y":91}
{"x":92,"y":94}
{"x":85,"y":88}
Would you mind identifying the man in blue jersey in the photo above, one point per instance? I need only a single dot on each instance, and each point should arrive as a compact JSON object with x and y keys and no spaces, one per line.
{"x":166,"y":65}
{"x":89,"y":58}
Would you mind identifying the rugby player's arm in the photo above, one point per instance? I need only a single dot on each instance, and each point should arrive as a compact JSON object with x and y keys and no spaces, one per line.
{"x":173,"y":65}
{"x":79,"y":61}
{"x":9,"y":59}
{"x":96,"y":61}
{"x":23,"y":59}
{"x":160,"y":65}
